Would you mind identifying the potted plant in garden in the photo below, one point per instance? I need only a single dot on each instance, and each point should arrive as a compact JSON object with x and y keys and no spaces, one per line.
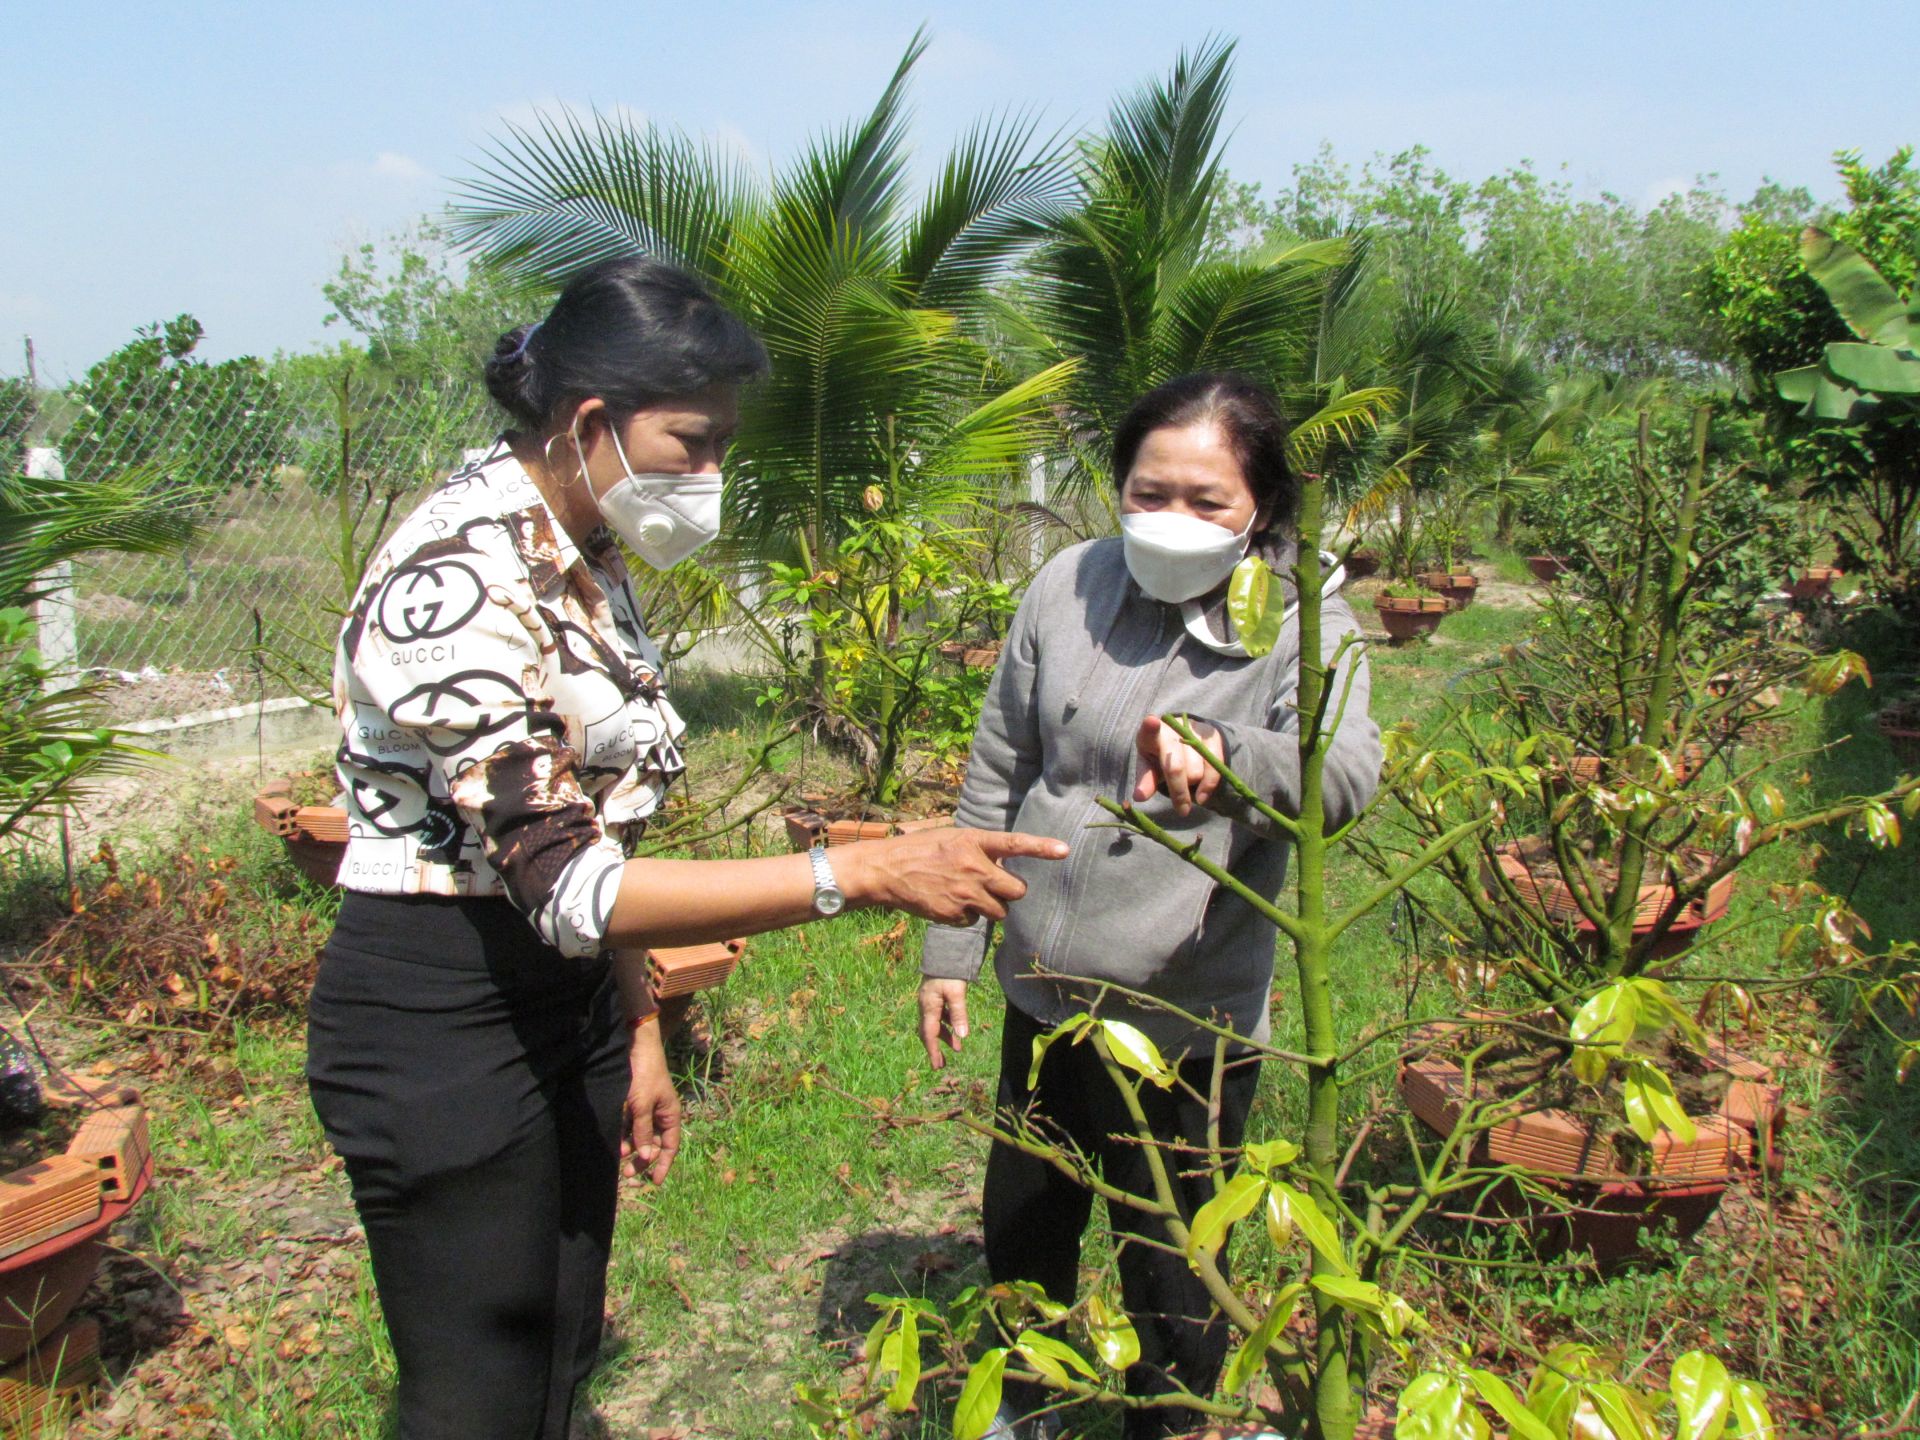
{"x":1623,"y":861}
{"x":901,"y":596}
{"x":1408,"y":611}
{"x":1444,"y":535}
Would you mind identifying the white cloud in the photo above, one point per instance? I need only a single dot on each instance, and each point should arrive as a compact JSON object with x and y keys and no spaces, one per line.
{"x":391,"y":165}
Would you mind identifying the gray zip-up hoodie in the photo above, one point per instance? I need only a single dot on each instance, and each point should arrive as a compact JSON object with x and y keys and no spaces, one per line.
{"x":1088,"y":656}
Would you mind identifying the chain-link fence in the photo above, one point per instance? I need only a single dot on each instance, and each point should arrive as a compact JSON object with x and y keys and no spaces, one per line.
{"x":287,"y":473}
{"x":294,"y":473}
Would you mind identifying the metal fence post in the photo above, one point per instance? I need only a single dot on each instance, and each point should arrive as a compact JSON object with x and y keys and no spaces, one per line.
{"x":58,"y":637}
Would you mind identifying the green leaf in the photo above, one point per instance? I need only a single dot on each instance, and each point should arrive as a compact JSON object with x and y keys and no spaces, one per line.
{"x":1211,"y":1222}
{"x":1622,"y":1411}
{"x":1251,"y":594}
{"x":1828,"y":674}
{"x":1555,"y":1390}
{"x":1114,"y":1339}
{"x":1522,"y":1423}
{"x":1605,"y":1023}
{"x":1658,"y":1010}
{"x":820,"y":1408}
{"x":1073,"y":1027}
{"x":979,"y":1402}
{"x":1871,"y":307}
{"x":1876,"y":369}
{"x":1266,"y":1155}
{"x":1797,"y":386}
{"x":1288,"y":1208}
{"x":1136,"y":1052}
{"x":1051,"y":1357}
{"x":1249,"y":1361}
{"x":1014,"y":1298}
{"x":1748,"y":1417}
{"x":1435,"y":1407}
{"x":1883,"y":826}
{"x":1702,"y":1392}
{"x":1651,"y":1104}
{"x":905,"y":1343}
{"x":1362,"y":1297}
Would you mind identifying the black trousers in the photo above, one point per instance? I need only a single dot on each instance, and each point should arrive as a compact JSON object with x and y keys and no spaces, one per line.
{"x":473,"y":1079}
{"x":1035,"y":1215}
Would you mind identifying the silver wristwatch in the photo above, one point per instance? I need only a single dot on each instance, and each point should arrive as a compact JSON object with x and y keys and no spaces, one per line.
{"x":828,"y":898}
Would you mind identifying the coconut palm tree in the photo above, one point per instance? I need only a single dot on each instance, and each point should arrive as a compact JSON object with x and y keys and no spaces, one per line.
{"x":868,"y":299}
{"x":1124,"y":283}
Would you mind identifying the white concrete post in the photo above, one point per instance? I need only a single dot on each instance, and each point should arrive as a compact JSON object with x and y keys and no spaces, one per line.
{"x":58,"y":637}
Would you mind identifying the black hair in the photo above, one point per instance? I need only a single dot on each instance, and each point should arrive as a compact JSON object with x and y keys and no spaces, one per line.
{"x":631,"y":331}
{"x":1248,"y":417}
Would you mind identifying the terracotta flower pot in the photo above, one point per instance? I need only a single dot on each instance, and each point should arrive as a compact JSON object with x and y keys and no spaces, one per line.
{"x":974,"y":657}
{"x":1588,"y":769}
{"x":807,"y":828}
{"x":1600,"y":1208}
{"x":1547,"y":892}
{"x":1408,"y":616}
{"x":40,"y":1284}
{"x":1815,"y":582}
{"x":1547,"y":568}
{"x":42,"y":1393}
{"x":1458,"y":586}
{"x":1362,"y":565}
{"x":315,"y":835}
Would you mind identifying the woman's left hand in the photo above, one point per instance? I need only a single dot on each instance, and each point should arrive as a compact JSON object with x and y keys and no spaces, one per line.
{"x":1169,"y":764}
{"x":652,"y":1120}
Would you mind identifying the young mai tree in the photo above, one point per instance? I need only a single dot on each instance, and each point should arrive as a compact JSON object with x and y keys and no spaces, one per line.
{"x":1329,"y":1322}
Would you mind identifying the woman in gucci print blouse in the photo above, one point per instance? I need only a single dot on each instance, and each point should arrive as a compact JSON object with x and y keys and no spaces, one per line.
{"x":482,"y":1049}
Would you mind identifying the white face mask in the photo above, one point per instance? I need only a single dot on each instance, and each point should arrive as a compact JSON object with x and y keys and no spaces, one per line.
{"x":1176,"y":557}
{"x":664,"y":518}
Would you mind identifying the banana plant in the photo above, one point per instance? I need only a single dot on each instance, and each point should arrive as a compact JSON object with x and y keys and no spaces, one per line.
{"x":1882,"y":367}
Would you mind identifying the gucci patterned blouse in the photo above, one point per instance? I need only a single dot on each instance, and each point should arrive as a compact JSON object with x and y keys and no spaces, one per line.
{"x":503,"y":726}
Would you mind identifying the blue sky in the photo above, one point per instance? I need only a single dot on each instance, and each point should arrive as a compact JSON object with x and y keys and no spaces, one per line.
{"x":219,"y":158}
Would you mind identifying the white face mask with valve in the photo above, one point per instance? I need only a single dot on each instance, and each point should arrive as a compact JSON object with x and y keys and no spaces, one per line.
{"x":663,"y":518}
{"x":1178,"y":557}
{"x":1195,"y":615}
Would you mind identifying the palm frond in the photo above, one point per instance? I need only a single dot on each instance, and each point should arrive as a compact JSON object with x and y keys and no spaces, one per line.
{"x":1000,"y":434}
{"x":852,"y":179}
{"x":996,"y":194}
{"x":1340,"y":421}
{"x":1161,"y":149}
{"x":146,"y":509}
{"x":552,"y":199}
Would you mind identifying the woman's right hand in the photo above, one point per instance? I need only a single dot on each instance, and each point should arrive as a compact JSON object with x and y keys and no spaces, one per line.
{"x":951,"y":876}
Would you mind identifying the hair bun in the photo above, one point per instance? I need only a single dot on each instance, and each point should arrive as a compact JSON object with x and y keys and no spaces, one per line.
{"x":512,"y":375}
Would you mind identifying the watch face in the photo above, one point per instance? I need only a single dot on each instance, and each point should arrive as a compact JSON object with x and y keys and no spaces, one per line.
{"x":829,"y":902}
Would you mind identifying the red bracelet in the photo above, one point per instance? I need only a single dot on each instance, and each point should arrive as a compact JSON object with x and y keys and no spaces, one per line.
{"x":637,"y":1021}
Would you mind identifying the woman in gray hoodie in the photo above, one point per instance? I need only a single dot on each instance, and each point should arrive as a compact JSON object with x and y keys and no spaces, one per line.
{"x":1112,"y":635}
